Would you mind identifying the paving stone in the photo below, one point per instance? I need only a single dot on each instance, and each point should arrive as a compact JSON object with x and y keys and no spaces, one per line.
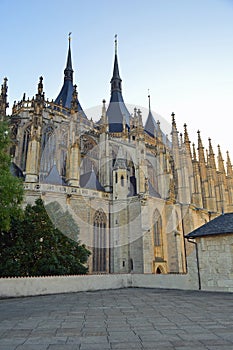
{"x":118,"y":319}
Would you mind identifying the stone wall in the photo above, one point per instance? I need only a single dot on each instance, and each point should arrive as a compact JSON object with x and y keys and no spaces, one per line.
{"x":216,"y":262}
{"x":29,"y":286}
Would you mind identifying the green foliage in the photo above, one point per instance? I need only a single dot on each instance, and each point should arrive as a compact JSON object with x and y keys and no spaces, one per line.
{"x":11,"y":188}
{"x":34,"y":247}
{"x":63,"y":220}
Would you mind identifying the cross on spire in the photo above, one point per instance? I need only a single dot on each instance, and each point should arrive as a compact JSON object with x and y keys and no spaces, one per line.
{"x":115,"y":44}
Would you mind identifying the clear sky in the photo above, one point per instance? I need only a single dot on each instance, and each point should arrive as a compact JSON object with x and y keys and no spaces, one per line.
{"x":182,"y":50}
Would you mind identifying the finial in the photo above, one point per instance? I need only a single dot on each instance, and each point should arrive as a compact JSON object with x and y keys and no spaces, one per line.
{"x":173,"y":119}
{"x":69,"y":38}
{"x":149,"y":99}
{"x":40,"y":86}
{"x":115,"y":44}
{"x":194,"y":152}
{"x":181,"y":138}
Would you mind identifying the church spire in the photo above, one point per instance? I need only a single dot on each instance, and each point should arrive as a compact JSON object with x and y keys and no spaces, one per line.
{"x":66,"y":97}
{"x":117,"y":112}
{"x":68,"y":72}
{"x":116,"y":79}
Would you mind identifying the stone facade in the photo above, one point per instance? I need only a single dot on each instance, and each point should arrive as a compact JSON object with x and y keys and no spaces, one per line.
{"x":215,"y":262}
{"x":131,"y":191}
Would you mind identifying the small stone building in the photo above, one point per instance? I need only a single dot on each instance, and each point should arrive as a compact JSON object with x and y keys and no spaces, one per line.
{"x":214,"y":258}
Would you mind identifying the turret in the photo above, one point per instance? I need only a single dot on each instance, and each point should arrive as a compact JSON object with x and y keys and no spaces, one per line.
{"x":3,"y":99}
{"x":120,"y":176}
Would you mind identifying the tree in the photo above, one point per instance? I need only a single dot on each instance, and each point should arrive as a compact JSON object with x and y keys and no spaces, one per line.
{"x":11,"y":188}
{"x":34,"y":247}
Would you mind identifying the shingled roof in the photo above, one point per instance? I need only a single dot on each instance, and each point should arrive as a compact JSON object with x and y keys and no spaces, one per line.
{"x":223,"y":224}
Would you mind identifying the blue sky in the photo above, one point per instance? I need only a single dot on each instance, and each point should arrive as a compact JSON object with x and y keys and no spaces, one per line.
{"x":182,"y":50}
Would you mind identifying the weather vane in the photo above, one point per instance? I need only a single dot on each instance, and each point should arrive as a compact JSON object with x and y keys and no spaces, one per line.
{"x":70,"y":35}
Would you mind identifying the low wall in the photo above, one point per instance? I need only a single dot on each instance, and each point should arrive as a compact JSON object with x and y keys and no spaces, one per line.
{"x":29,"y":286}
{"x":169,"y":281}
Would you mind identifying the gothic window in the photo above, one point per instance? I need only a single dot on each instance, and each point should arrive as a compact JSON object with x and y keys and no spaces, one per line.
{"x":48,"y":155}
{"x":63,"y":162}
{"x":99,"y":242}
{"x":122,"y":180}
{"x":46,"y":136}
{"x":26,"y":136}
{"x":157,"y":229}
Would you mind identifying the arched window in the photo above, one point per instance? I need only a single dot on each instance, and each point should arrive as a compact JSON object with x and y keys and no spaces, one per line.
{"x":122,"y":180}
{"x":48,"y":148}
{"x":99,"y":242}
{"x":26,"y":136}
{"x":157,"y":228}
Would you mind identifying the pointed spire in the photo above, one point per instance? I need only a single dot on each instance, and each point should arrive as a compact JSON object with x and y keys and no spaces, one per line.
{"x":173,"y":120}
{"x":117,"y":107}
{"x":211,"y":155}
{"x":194,"y":153}
{"x":116,"y":79}
{"x":68,"y":72}
{"x":174,"y":133}
{"x":221,"y":167}
{"x":229,"y":166}
{"x":186,"y":140}
{"x":201,"y":154}
{"x":150,"y":125}
{"x":65,"y":96}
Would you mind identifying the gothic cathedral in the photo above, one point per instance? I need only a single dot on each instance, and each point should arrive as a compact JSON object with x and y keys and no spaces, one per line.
{"x":132,"y":191}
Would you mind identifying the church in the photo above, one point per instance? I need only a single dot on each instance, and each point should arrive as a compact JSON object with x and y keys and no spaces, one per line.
{"x":132,"y":191}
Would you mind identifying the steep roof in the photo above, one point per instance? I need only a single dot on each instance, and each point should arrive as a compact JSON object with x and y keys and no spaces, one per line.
{"x":222,"y":224}
{"x":53,"y":177}
{"x":117,"y":111}
{"x":65,"y":95}
{"x":152,"y":191}
{"x":16,"y":171}
{"x":90,"y":181}
{"x":150,"y":125}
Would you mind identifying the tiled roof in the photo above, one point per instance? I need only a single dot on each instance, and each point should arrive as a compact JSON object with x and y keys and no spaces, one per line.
{"x":222,"y":224}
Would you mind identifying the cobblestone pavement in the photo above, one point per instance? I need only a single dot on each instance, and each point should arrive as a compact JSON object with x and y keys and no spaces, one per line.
{"x":134,"y":318}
